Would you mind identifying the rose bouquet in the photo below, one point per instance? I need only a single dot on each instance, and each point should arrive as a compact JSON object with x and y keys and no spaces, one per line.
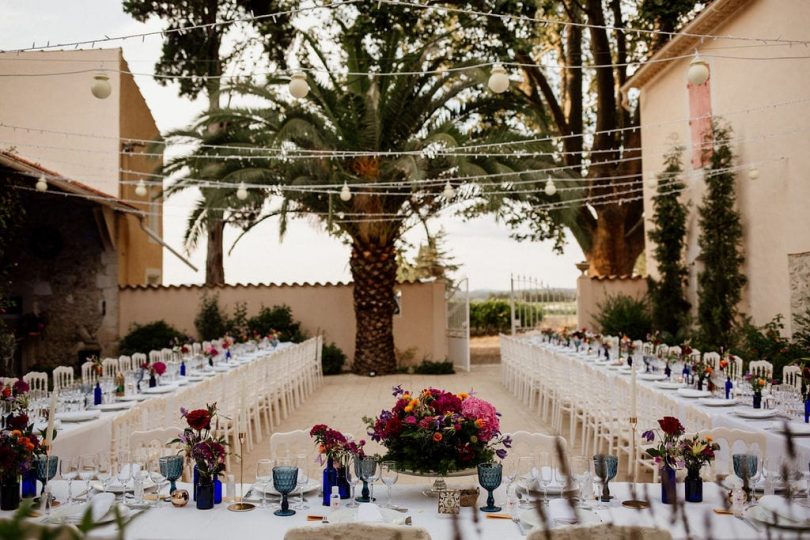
{"x":667,"y":452}
{"x":199,"y":443}
{"x":335,"y":445}
{"x":437,"y":431}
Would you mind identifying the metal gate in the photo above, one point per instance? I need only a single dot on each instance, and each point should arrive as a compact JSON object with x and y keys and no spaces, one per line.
{"x":458,"y":325}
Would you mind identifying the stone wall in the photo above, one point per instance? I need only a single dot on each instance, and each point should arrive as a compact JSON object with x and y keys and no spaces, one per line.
{"x":799,"y":268}
{"x":64,"y":275}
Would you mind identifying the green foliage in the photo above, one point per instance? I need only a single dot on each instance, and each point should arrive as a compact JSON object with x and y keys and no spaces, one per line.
{"x":332,"y":359}
{"x":669,"y":307}
{"x":721,"y":281}
{"x":148,"y":337}
{"x":492,"y":317}
{"x":279,"y":319}
{"x":238,"y":323}
{"x":431,"y":261}
{"x":23,"y":524}
{"x":210,"y":322}
{"x":767,"y":342}
{"x":623,"y":315}
{"x":801,"y":327}
{"x":428,"y":367}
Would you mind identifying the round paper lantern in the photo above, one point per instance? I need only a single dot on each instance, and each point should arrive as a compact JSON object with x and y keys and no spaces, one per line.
{"x":345,"y":193}
{"x":498,"y":79}
{"x":550,"y":189}
{"x":42,"y":184}
{"x":298,"y":86}
{"x":101,"y":86}
{"x":698,"y":72}
{"x":241,"y":192}
{"x":140,"y":189}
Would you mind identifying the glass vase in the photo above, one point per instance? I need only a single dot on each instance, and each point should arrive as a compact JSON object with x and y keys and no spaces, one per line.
{"x":693,"y":485}
{"x":807,"y":411}
{"x":668,"y":484}
{"x":29,"y":483}
{"x":9,"y":492}
{"x":757,"y":400}
{"x":204,"y":489}
{"x":335,"y":476}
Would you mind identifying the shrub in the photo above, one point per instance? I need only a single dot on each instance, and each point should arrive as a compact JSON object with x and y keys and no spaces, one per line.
{"x":766,"y":342}
{"x":332,"y":359}
{"x":210,"y":321}
{"x":434,"y":368}
{"x":492,"y":317}
{"x":624,"y":315}
{"x":280,"y":319}
{"x":237,"y":325}
{"x":148,"y":337}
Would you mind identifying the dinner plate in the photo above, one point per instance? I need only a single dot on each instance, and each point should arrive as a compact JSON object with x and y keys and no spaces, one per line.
{"x":651,"y":376}
{"x":717,"y":402}
{"x":766,"y":517}
{"x":117,"y":488}
{"x":74,"y":513}
{"x":159,"y":390}
{"x":755,"y":414}
{"x":669,"y":385}
{"x":132,"y":397}
{"x":311,"y":486}
{"x":693,"y":393}
{"x":531,"y":519}
{"x":114,"y":406}
{"x":80,"y":416}
{"x":195,"y":377}
{"x":221,"y":369}
{"x":349,"y":515}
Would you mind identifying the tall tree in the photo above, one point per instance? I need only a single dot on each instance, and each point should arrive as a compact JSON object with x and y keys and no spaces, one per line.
{"x":721,"y":281}
{"x":670,"y":309}
{"x":195,"y":58}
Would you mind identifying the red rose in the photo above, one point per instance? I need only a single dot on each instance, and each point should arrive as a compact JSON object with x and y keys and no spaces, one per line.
{"x":671,"y":426}
{"x":199,"y":419}
{"x":17,"y":422}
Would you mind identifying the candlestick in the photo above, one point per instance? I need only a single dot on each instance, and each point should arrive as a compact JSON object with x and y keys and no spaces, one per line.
{"x":634,"y":503}
{"x":241,"y":506}
{"x":633,"y":404}
{"x":51,"y":418}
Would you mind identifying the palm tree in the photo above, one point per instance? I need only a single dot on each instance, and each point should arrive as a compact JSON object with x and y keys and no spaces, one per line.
{"x":402,"y":120}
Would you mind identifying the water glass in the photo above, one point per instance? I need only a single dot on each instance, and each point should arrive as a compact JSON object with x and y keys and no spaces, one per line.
{"x":489,"y":476}
{"x":301,"y":462}
{"x":69,"y":470}
{"x":264,"y":475}
{"x":285,"y":479}
{"x":171,"y":467}
{"x":389,"y":473}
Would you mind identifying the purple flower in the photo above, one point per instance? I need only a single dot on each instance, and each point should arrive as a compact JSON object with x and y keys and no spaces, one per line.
{"x":183,"y":412}
{"x":507,"y":441}
{"x":648,"y":435}
{"x":397,"y":390}
{"x":501,"y":453}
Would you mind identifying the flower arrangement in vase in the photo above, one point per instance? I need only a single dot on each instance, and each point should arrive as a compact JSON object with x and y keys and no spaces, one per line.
{"x":703,"y":372}
{"x":206,"y":450}
{"x":19,"y":446}
{"x":695,"y":452}
{"x":338,"y":452}
{"x":666,"y":453}
{"x":438,"y":432}
{"x":155,"y":371}
{"x":211,"y":352}
{"x":757,"y":385}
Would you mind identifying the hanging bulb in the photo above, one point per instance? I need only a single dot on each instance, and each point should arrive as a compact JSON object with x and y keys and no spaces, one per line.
{"x":341,"y":215}
{"x":652,"y":182}
{"x":241,"y":191}
{"x":345,"y":193}
{"x":448,"y":191}
{"x":550,"y":189}
{"x":698,"y":72}
{"x":42,"y":184}
{"x":298,"y":86}
{"x":101,"y":86}
{"x":498,"y":79}
{"x":753,"y":172}
{"x":140,"y":189}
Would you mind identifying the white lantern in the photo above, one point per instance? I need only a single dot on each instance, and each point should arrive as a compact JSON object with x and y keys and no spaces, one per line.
{"x":345,"y":193}
{"x":698,"y":72}
{"x":42,"y":184}
{"x":652,"y":182}
{"x":101,"y":86}
{"x":753,"y":172}
{"x":241,"y":192}
{"x":498,"y":79}
{"x":298,"y":86}
{"x":448,"y":191}
{"x":550,"y":189}
{"x":140,"y":189}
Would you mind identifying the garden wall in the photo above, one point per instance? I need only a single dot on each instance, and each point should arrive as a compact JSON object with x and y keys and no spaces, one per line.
{"x":322,"y":308}
{"x":592,"y":291}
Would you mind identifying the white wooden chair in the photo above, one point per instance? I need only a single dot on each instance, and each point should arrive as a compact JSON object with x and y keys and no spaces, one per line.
{"x":712,"y":359}
{"x":291,"y":443}
{"x":138,"y":359}
{"x":8,"y":381}
{"x":735,"y":367}
{"x":153,"y":437}
{"x":62,"y":377}
{"x":125,"y":364}
{"x":357,"y":531}
{"x":734,"y":441}
{"x":792,"y":375}
{"x":88,"y":373}
{"x":36,"y":380}
{"x":109,"y":367}
{"x":761,"y":368}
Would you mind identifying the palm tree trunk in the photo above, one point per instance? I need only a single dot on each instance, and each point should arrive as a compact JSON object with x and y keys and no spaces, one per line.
{"x":214,"y":268}
{"x":374,"y":270}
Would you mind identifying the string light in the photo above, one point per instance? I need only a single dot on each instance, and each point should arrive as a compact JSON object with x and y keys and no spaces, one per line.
{"x":42,"y":184}
{"x":140,"y":189}
{"x":550,"y":188}
{"x":698,"y":71}
{"x":298,"y":86}
{"x":241,"y":192}
{"x":498,"y":79}
{"x":345,"y":193}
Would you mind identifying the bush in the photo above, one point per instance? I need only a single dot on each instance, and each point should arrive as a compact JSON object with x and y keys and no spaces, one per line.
{"x":280,"y":319}
{"x":492,"y":317}
{"x":332,"y":359}
{"x":434,"y":368}
{"x":210,"y":321}
{"x":766,"y":342}
{"x":621,"y":315}
{"x":148,"y":337}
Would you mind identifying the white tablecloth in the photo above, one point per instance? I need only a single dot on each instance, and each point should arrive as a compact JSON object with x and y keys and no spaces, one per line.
{"x":167,"y":522}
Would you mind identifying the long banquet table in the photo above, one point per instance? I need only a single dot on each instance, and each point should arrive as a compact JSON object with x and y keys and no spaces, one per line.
{"x":192,"y":524}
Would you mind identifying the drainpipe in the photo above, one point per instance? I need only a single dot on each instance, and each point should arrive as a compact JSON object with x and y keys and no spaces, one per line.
{"x":154,"y":236}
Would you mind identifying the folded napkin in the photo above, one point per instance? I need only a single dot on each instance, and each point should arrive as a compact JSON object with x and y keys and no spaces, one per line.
{"x":369,"y":512}
{"x":100,"y":504}
{"x":784,"y":508}
{"x":560,"y":510}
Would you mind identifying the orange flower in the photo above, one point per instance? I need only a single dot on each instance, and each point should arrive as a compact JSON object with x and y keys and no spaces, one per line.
{"x":708,"y":371}
{"x":16,"y":433}
{"x":321,"y":449}
{"x":408,"y":408}
{"x":437,"y":437}
{"x":463,"y":395}
{"x":406,"y":396}
{"x":479,"y":423}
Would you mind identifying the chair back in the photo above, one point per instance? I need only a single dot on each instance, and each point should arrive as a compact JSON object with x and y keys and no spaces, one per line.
{"x":89,"y":375}
{"x":125,"y":364}
{"x":761,"y":368}
{"x":532,"y":444}
{"x":153,"y":438}
{"x":109,"y":366}
{"x":62,"y":377}
{"x":735,"y":441}
{"x":792,"y":375}
{"x":36,"y":380}
{"x":291,"y":443}
{"x":357,"y":531}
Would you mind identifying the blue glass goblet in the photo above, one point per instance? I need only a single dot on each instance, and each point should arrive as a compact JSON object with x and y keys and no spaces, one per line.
{"x":745,"y":467}
{"x":284,"y":480}
{"x":171,"y":467}
{"x":365,"y":468}
{"x":606,"y":467}
{"x":46,"y":469}
{"x":489,"y":476}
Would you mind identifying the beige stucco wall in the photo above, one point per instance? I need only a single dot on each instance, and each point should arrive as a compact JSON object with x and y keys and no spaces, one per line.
{"x":325,"y":309}
{"x":591,"y":292}
{"x":774,"y":207}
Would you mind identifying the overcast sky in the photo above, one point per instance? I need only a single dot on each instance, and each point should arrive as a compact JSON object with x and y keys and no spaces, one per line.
{"x":482,"y":247}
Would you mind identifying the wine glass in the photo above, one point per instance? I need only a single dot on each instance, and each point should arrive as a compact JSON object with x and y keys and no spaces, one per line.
{"x":155,"y":472}
{"x":365,"y":468}
{"x":489,"y":476}
{"x":545,"y":473}
{"x":524,"y":476}
{"x":389,"y":475}
{"x":87,"y":470}
{"x":140,"y":472}
{"x":124,"y":472}
{"x":285,"y":479}
{"x":746,"y":468}
{"x":69,"y":470}
{"x":581,"y":472}
{"x":264,"y":475}
{"x":46,"y":469}
{"x":103,"y":470}
{"x":301,"y":462}
{"x":172,"y":469}
{"x":353,"y":479}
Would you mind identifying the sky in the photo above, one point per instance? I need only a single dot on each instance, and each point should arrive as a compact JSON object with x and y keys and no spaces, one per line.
{"x":307,"y":253}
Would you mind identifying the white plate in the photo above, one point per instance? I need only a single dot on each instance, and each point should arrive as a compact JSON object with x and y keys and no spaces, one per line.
{"x":531,"y":519}
{"x":221,"y":368}
{"x":114,"y":406}
{"x":311,"y":486}
{"x":349,"y":515}
{"x":693,"y":393}
{"x":182,"y":381}
{"x":73,"y":514}
{"x":755,"y":414}
{"x":117,"y":488}
{"x":132,"y":397}
{"x":651,"y":376}
{"x":159,"y":390}
{"x":669,"y":385}
{"x":763,"y":515}
{"x":81,"y":416}
{"x":717,"y":402}
{"x":615,"y":367}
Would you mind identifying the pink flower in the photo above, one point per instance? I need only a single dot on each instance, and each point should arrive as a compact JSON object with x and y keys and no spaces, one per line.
{"x":475,"y":408}
{"x":410,"y":420}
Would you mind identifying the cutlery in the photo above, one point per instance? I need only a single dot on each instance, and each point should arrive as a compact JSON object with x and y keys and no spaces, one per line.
{"x":750,"y":523}
{"x":519,"y":526}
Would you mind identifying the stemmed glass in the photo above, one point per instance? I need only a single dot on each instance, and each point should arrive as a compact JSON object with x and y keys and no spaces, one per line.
{"x":285,"y":479}
{"x":366,"y":469}
{"x":546,"y":473}
{"x":489,"y":476}
{"x":746,"y":468}
{"x":264,"y":475}
{"x":69,"y":470}
{"x":103,"y":470}
{"x":303,"y":479}
{"x":124,"y":472}
{"x":46,"y":469}
{"x":353,"y":479}
{"x":171,"y":467}
{"x":581,"y":473}
{"x":155,"y":472}
{"x":605,"y":468}
{"x":87,"y":470}
{"x":389,"y":475}
{"x":524,"y":475}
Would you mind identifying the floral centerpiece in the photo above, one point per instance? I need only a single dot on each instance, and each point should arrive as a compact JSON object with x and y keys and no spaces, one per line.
{"x":338,"y":451}
{"x":666,"y":453}
{"x":206,"y":450}
{"x":695,"y":452}
{"x":19,"y":446}
{"x":757,"y":385}
{"x":702,"y":371}
{"x":438,"y":432}
{"x":211,"y":352}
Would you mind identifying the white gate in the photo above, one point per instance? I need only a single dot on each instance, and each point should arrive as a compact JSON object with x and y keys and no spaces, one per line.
{"x":458,"y":325}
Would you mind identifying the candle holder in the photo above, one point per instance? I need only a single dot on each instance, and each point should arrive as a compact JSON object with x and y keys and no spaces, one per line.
{"x":241,"y":506}
{"x":634,"y":503}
